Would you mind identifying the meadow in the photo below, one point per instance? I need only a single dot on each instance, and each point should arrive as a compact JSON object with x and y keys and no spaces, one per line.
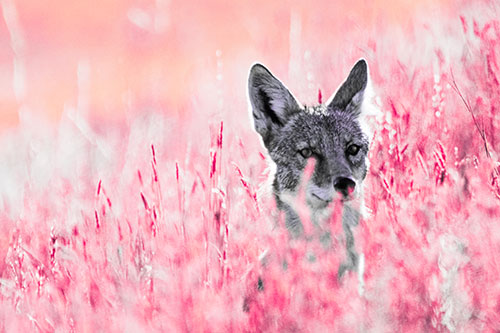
{"x":160,"y":218}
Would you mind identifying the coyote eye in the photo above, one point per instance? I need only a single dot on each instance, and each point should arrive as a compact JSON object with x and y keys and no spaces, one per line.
{"x":352,"y":150}
{"x":306,"y":152}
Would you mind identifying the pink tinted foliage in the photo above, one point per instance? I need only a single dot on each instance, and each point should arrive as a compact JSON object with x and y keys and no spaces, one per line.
{"x":181,"y":236}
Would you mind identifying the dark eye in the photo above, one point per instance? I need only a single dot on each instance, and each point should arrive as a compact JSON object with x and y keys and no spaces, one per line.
{"x":306,"y":152}
{"x":352,"y":150}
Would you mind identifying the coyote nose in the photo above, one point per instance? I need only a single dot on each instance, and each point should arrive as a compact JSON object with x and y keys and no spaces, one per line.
{"x":344,"y":185}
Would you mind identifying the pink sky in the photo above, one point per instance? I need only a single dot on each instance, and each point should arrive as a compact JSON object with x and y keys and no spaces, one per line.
{"x":135,"y":55}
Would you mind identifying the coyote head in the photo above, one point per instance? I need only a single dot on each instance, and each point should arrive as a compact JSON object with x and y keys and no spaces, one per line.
{"x":329,"y":133}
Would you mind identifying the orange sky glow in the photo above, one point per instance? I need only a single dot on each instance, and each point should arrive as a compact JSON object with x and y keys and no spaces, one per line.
{"x":119,"y":57}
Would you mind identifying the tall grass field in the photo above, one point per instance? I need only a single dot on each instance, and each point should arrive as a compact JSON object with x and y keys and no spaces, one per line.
{"x":135,"y":195}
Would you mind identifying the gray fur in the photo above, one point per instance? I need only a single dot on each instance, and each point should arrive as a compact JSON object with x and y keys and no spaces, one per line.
{"x":272,"y":103}
{"x":350,"y":94}
{"x":327,"y":130}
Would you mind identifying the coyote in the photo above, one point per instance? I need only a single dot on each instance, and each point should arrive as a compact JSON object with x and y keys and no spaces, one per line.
{"x":329,"y":133}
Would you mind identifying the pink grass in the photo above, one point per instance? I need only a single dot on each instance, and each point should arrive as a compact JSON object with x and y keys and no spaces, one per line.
{"x":180,"y":235}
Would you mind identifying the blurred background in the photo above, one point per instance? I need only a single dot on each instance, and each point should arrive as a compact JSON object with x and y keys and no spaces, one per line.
{"x":114,"y":59}
{"x":127,"y":156}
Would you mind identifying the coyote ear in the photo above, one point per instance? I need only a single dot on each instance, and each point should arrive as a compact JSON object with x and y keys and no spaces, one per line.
{"x":350,"y":94}
{"x":272,"y":103}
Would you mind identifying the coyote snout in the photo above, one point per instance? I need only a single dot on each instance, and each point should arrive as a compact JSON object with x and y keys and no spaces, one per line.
{"x":345,"y":186}
{"x":342,"y":188}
